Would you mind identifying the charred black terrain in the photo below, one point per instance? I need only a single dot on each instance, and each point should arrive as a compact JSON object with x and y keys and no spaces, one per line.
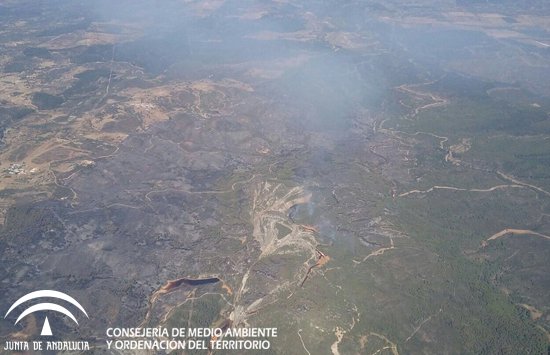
{"x":367,"y":177}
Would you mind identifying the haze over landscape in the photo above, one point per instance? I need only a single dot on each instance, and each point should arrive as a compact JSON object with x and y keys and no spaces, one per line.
{"x":367,"y":177}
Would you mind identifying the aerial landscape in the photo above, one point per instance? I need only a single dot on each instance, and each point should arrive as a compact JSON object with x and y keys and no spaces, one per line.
{"x":365,"y":177}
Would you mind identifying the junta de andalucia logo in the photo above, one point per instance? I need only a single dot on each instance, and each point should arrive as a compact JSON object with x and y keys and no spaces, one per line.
{"x":46,"y":308}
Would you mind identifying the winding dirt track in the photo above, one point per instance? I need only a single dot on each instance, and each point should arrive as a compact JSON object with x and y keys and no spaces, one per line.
{"x":437,"y":187}
{"x":416,"y":329}
{"x":436,"y":100}
{"x":376,"y":252}
{"x":507,"y":231}
{"x":515,"y":181}
{"x":270,"y":205}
